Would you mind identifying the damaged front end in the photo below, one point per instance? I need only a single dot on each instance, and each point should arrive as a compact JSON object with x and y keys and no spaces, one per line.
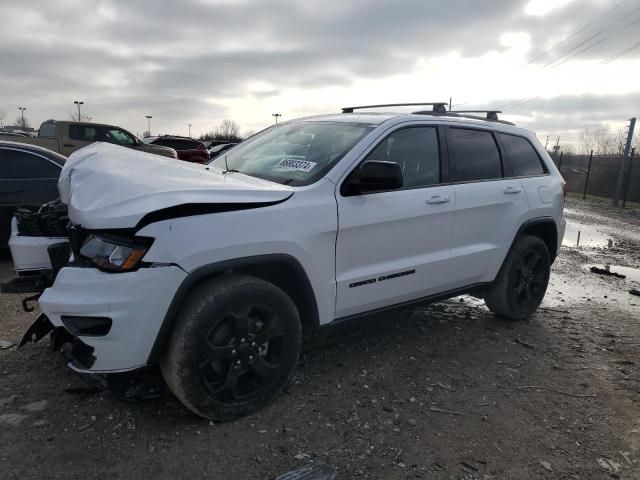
{"x":39,"y":247}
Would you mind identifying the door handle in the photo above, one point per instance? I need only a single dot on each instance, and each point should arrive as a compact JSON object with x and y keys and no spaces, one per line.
{"x":69,"y":145}
{"x":510,"y":190}
{"x":437,"y":199}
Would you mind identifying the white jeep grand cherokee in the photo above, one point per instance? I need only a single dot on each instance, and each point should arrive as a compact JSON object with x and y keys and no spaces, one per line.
{"x":215,"y":272}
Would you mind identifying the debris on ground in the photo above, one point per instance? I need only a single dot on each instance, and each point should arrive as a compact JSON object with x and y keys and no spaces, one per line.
{"x":7,"y":400}
{"x":310,"y":472}
{"x":13,"y":419}
{"x":606,"y":271}
{"x":5,"y":345}
{"x":36,"y":406}
{"x":547,"y":466}
{"x":635,"y":291}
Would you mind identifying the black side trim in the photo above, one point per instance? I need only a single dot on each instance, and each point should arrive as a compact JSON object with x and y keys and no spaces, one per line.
{"x":423,"y":300}
{"x":229,"y":265}
{"x":192,"y":209}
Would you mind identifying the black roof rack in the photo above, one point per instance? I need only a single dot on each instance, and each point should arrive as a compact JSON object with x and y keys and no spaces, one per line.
{"x":438,"y":107}
{"x":490,"y":115}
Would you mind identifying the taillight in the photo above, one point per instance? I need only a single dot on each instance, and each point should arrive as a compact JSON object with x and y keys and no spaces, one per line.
{"x":565,"y":188}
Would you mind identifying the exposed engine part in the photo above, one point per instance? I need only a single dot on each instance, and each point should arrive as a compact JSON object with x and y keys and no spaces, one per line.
{"x":49,"y":221}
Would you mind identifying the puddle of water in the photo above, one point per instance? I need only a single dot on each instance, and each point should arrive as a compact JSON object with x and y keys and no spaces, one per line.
{"x":631,"y":273}
{"x":580,"y":235}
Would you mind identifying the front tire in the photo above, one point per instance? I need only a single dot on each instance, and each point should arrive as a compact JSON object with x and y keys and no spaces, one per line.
{"x":522,"y":281}
{"x":234,"y":347}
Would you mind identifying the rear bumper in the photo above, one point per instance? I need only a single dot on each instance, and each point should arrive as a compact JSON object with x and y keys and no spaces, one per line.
{"x":135,"y":302}
{"x":562,"y":225}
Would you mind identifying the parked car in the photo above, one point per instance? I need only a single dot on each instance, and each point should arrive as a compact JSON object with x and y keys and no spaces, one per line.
{"x":220,"y":149}
{"x":188,"y":149}
{"x":213,"y":143}
{"x":67,"y":137}
{"x":28,"y":178}
{"x":217,"y":272}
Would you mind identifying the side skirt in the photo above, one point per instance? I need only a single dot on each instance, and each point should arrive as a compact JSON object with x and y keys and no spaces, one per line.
{"x":475,"y":289}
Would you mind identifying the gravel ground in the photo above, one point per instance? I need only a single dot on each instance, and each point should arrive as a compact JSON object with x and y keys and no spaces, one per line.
{"x":446,"y":391}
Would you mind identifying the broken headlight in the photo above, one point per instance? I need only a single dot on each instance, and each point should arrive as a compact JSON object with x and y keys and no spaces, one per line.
{"x":113,"y":253}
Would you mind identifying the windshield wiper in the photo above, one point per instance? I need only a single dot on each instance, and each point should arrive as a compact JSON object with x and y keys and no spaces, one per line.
{"x":226,"y":167}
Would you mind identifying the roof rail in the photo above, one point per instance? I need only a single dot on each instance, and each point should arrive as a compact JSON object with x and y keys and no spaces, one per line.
{"x":491,"y":115}
{"x":439,"y":107}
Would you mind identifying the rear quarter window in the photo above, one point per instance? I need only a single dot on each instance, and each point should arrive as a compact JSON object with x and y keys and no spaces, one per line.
{"x":523,"y":158}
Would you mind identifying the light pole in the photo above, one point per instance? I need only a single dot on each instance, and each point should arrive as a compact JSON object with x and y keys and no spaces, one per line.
{"x":148,"y":117}
{"x":276,"y":115}
{"x":189,"y":130}
{"x":78,"y":103}
{"x":22,"y":109}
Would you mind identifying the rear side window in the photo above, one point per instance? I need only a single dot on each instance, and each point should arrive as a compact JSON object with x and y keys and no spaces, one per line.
{"x":523,"y":158}
{"x":476,"y":155}
{"x":415,"y":149}
{"x":17,"y":164}
{"x":83,"y":133}
{"x":47,"y":130}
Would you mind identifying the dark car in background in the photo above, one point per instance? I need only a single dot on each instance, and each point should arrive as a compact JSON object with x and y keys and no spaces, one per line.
{"x":188,"y":149}
{"x":28,"y":178}
{"x":217,"y":150}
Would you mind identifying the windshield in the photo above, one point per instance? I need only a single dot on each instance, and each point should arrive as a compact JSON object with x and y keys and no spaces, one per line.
{"x":294,"y":154}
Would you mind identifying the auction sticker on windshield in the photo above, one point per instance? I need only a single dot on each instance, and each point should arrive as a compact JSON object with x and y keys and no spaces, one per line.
{"x":293,"y":164}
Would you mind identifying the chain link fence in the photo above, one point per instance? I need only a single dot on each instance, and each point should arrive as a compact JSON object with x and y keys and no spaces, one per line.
{"x":597,"y":175}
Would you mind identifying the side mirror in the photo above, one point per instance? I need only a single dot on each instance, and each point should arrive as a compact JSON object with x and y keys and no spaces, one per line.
{"x":375,"y":176}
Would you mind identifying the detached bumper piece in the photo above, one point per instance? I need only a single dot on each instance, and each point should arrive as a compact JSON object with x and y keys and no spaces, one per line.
{"x":74,"y":350}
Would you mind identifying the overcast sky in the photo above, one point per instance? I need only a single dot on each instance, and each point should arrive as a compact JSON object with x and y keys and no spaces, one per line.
{"x":202,"y":61}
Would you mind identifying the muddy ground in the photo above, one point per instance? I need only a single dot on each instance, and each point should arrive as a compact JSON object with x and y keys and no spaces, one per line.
{"x":445,"y":391}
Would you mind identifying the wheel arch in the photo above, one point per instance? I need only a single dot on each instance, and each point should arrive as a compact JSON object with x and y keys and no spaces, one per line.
{"x":284,"y":271}
{"x":544,"y":228}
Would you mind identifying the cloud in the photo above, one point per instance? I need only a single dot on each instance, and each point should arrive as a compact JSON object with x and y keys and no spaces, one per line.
{"x":199,"y":61}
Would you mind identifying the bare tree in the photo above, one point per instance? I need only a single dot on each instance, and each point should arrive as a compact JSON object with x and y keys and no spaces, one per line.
{"x":587,"y":140}
{"x":604,"y":140}
{"x":74,"y":117}
{"x":22,"y":122}
{"x":3,"y":115}
{"x":619,"y":141}
{"x":228,"y":131}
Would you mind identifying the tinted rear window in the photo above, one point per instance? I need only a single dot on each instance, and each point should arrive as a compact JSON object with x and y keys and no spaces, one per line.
{"x":523,"y":158}
{"x":476,"y":155}
{"x":177,"y":143}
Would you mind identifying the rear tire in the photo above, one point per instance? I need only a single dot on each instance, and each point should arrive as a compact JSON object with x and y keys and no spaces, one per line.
{"x":234,"y":347}
{"x":522,"y":281}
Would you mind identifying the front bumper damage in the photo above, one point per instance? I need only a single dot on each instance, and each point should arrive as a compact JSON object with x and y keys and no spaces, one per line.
{"x":112,"y":318}
{"x":78,"y":353}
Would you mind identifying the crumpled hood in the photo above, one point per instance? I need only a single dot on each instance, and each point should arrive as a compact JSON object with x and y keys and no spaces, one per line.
{"x":107,"y":186}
